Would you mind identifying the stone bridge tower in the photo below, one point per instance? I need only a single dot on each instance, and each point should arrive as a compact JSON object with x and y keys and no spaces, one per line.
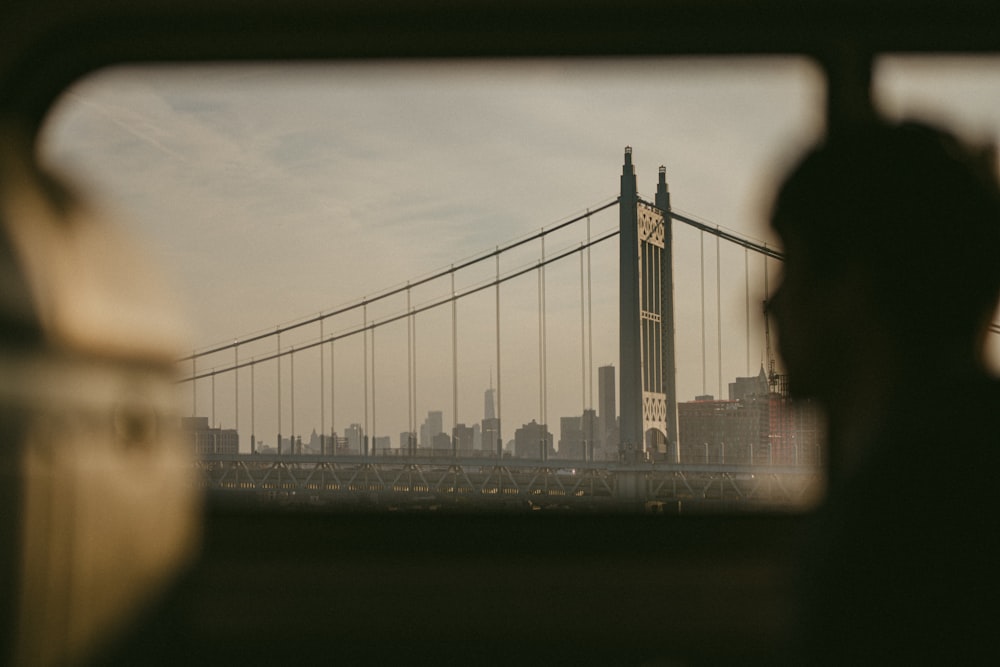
{"x":646,"y":319}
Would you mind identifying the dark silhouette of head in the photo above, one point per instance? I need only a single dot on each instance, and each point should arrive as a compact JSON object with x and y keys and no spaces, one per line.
{"x":891,"y":277}
{"x":892,"y":240}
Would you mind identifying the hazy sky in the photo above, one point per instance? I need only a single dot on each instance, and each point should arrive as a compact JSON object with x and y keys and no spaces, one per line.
{"x":271,"y":194}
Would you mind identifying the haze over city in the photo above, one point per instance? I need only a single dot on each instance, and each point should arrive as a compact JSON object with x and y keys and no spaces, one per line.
{"x":270,"y":194}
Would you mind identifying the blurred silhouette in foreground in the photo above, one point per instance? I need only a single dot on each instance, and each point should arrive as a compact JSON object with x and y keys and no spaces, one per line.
{"x":99,"y":506}
{"x":891,"y":279}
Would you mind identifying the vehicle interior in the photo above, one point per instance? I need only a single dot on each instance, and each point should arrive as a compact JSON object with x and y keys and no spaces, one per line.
{"x":157,"y":574}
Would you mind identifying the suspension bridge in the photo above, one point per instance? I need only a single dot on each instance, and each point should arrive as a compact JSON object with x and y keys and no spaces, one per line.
{"x":637,"y":456}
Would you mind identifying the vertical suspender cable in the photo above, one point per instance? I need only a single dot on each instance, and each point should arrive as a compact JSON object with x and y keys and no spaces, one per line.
{"x":194,"y":384}
{"x":545,"y":345}
{"x":540,"y":418}
{"x":499,"y":443}
{"x":253,"y":409}
{"x":291,"y":437}
{"x":333,"y":397}
{"x":213,"y":399}
{"x":542,"y":346}
{"x":767,"y":301}
{"x":322,"y":394}
{"x":590,"y":324}
{"x":364,"y":337}
{"x":703,"y":373}
{"x":415,"y":382}
{"x":718,"y":308}
{"x":374,"y":430}
{"x":408,"y":446}
{"x":583,"y":345}
{"x":454,"y":359}
{"x":279,"y":393}
{"x":590,"y":340}
{"x":236,"y":385}
{"x":746,"y":284}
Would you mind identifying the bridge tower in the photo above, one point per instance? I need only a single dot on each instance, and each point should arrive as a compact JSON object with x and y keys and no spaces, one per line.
{"x":646,"y":318}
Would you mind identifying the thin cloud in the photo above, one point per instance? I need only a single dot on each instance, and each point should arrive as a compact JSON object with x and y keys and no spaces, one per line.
{"x":274,"y":195}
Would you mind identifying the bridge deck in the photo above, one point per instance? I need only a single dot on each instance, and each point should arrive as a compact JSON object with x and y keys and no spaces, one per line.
{"x":435,"y":480}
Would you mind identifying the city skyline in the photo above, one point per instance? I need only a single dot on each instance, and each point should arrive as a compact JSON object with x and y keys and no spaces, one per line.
{"x":339,"y":181}
{"x":353,"y":435}
{"x":342,"y":180}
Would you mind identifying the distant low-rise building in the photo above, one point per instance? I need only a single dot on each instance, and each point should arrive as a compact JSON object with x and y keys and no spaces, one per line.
{"x":714,"y":431}
{"x":749,"y":386}
{"x":533,"y":441}
{"x":570,"y":438}
{"x":577,"y":436}
{"x":491,"y":433}
{"x":761,"y":427}
{"x":463,"y":438}
{"x":208,"y":440}
{"x":441,"y":441}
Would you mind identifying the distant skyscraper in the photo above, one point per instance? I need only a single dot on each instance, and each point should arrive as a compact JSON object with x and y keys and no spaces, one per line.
{"x":491,"y":434}
{"x":435,"y":422}
{"x":490,"y":403}
{"x":490,"y":425}
{"x":607,"y":413}
{"x":431,"y":427}
{"x":407,"y":441}
{"x":353,"y":435}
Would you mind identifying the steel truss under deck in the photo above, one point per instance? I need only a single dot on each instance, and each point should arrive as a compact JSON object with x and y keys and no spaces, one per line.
{"x":417,"y":480}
